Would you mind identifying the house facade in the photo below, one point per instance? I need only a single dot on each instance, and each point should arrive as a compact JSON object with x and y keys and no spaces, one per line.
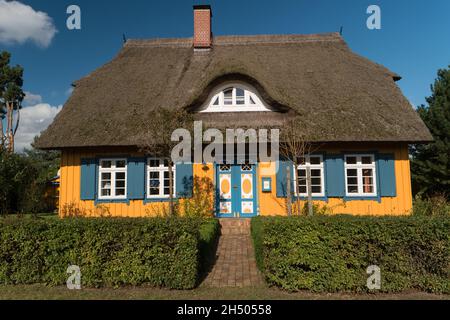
{"x":350,"y":109}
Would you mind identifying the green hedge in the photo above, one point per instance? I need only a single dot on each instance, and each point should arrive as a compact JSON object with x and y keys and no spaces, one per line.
{"x":209,"y":238}
{"x":109,"y":251}
{"x":331,"y":253}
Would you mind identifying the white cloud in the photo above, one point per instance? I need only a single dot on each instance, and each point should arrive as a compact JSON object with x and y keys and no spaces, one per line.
{"x":20,"y":23}
{"x":31,"y":99}
{"x":33,"y":120}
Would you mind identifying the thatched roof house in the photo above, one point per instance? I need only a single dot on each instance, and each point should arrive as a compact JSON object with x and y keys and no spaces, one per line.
{"x":343,"y":101}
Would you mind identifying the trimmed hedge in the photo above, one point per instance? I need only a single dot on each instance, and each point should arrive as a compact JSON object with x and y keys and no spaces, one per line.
{"x":109,"y":251}
{"x":209,"y":239}
{"x":331,"y":253}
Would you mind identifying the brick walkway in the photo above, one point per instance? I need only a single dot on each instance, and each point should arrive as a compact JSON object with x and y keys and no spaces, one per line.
{"x":235,"y":265}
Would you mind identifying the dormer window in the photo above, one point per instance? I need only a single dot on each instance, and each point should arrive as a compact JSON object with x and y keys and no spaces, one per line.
{"x":234,"y":98}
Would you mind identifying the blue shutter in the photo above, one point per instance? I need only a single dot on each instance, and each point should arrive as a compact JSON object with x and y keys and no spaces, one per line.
{"x":136,"y":178}
{"x":88,"y":184}
{"x":386,"y":174}
{"x":184,"y":180}
{"x":335,"y":175}
{"x":281,"y":182}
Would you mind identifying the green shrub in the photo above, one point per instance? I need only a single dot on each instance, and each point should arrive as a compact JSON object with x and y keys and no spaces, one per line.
{"x":209,"y":238}
{"x":331,"y":253}
{"x":109,"y":251}
{"x":431,"y":206}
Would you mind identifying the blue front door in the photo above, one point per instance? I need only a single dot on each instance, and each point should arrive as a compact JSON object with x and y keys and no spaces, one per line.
{"x":236,"y":190}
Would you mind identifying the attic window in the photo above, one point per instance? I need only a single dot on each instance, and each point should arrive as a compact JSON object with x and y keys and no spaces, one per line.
{"x":234,"y":98}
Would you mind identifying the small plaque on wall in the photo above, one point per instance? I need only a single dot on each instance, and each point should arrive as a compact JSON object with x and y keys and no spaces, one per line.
{"x":266,"y":184}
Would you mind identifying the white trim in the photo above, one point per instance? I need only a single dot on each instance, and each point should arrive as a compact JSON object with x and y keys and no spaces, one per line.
{"x":160,"y":169}
{"x":359,"y":167}
{"x":312,"y":167}
{"x":249,"y":92}
{"x":113,"y":170}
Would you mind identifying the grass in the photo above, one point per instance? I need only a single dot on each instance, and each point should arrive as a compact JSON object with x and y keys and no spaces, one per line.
{"x":38,"y":292}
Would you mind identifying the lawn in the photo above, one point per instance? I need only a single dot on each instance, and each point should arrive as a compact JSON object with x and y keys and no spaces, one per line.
{"x":202,"y":293}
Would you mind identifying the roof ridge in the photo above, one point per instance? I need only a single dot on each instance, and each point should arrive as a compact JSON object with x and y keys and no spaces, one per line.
{"x":237,"y":40}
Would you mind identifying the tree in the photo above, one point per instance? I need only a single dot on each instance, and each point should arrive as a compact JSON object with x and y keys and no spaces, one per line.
{"x":294,"y":146}
{"x":159,"y":128}
{"x":431,"y":162}
{"x":11,"y":97}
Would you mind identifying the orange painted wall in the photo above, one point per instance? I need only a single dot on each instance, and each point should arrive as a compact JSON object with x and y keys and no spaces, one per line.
{"x":269,"y":204}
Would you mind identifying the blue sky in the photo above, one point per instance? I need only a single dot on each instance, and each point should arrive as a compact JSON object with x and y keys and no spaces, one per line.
{"x":414,"y":40}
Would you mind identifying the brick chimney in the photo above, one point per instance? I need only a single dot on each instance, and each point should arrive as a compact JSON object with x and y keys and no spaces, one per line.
{"x":202,"y":27}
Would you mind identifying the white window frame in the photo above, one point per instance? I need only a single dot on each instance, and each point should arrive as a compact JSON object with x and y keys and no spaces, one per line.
{"x":249,"y":92}
{"x":113,"y":170}
{"x":161,"y":169}
{"x":312,"y":167}
{"x":359,"y":166}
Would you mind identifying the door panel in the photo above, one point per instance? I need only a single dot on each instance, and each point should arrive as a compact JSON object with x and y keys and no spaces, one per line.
{"x":236,"y":190}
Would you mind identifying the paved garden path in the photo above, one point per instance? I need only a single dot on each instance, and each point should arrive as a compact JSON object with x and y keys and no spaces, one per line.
{"x":235,"y":264}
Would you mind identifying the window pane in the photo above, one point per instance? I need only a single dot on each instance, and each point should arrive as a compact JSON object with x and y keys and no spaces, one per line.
{"x":120,"y":164}
{"x":154,"y":163}
{"x":166,"y":174}
{"x":366,"y":160}
{"x":301,"y":161}
{"x":120,"y":192}
{"x":315,"y":173}
{"x":106,"y":176}
{"x":120,"y":184}
{"x":166,"y":182}
{"x":106,"y":164}
{"x":368,"y":189}
{"x":166,"y":163}
{"x":316,"y":189}
{"x":216,"y":102}
{"x":228,"y":96}
{"x":315,"y":181}
{"x":154,"y":175}
{"x":106,"y":184}
{"x":154,"y":191}
{"x":166,"y":191}
{"x":240,"y":96}
{"x":314,"y":160}
{"x":106,"y":192}
{"x":252,"y":101}
{"x":352,"y":189}
{"x":154,"y":183}
{"x":350,"y":160}
{"x":367,"y":172}
{"x":301,"y":173}
{"x":120,"y":175}
{"x":353,"y":181}
{"x":302,"y":189}
{"x":302,"y":181}
{"x":352,"y":173}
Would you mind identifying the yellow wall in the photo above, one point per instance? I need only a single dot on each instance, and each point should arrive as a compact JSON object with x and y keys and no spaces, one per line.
{"x":269,"y":204}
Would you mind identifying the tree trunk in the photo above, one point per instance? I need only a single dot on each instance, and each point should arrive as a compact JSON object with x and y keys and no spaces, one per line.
{"x":2,"y":134}
{"x":9,"y":129}
{"x":288,"y":191}
{"x":17,"y":122}
{"x":309,"y":188}
{"x":171,"y":189}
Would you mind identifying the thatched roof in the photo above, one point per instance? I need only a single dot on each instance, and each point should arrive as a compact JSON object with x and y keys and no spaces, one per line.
{"x":340,"y":95}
